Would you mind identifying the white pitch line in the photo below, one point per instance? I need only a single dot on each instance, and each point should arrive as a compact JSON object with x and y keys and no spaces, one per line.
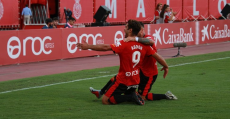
{"x":104,"y":76}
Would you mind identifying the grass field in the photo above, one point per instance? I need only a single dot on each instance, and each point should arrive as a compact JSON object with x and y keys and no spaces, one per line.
{"x":201,"y":84}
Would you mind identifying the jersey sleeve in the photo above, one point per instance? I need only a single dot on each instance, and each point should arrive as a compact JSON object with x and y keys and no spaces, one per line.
{"x":118,"y":47}
{"x":150,"y":51}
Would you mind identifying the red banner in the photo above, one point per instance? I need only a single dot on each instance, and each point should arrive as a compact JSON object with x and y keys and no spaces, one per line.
{"x":117,"y":8}
{"x":216,"y":6}
{"x":176,"y":5}
{"x":9,"y":12}
{"x":23,"y":46}
{"x":29,"y":46}
{"x":82,"y":10}
{"x":214,"y":31}
{"x":94,"y":35}
{"x":141,"y":10}
{"x":167,"y":34}
{"x":195,"y":9}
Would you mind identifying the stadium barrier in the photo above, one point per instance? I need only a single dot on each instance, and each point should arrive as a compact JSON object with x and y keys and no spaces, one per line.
{"x":122,"y":10}
{"x":22,"y":46}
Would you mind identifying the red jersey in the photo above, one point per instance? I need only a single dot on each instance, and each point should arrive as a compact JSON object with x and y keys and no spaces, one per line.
{"x":149,"y":65}
{"x":131,"y":56}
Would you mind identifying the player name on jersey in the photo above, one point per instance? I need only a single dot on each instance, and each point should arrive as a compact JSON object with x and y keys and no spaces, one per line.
{"x":134,"y":47}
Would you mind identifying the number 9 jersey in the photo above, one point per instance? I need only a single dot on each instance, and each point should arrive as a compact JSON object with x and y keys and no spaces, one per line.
{"x":131,"y":56}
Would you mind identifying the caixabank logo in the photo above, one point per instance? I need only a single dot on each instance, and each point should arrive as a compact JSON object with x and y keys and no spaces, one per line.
{"x":215,"y":32}
{"x":168,"y":36}
{"x":1,"y":10}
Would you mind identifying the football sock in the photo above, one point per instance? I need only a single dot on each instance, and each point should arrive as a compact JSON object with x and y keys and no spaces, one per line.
{"x":116,"y":99}
{"x":106,"y":86}
{"x":151,"y":96}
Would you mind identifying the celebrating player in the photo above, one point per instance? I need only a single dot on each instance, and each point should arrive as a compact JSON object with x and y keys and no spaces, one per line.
{"x":131,"y":55}
{"x":148,"y":73}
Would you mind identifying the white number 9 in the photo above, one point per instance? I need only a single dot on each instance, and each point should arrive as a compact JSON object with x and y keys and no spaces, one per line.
{"x":136,"y":58}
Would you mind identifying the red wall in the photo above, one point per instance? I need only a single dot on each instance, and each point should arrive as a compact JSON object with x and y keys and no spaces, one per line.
{"x":23,"y":46}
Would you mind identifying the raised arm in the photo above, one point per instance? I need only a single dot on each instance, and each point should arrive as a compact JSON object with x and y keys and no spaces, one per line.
{"x":162,"y":62}
{"x":145,"y":41}
{"x":99,"y":47}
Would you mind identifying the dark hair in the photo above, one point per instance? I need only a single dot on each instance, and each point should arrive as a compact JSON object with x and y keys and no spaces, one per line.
{"x":55,"y":18}
{"x":135,"y":26}
{"x":163,"y":10}
{"x":26,"y":5}
{"x":71,"y":18}
{"x":158,"y":5}
{"x":48,"y":20}
{"x":142,"y":25}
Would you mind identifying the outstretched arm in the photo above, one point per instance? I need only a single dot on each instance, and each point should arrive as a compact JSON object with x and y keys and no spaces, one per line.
{"x":145,"y":41}
{"x":162,"y":62}
{"x":99,"y":47}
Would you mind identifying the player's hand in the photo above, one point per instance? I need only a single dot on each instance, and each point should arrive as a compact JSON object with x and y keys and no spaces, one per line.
{"x":166,"y":70}
{"x":83,"y":46}
{"x":129,"y":39}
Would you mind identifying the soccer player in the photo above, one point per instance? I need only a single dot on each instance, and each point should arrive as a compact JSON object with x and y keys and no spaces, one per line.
{"x":131,"y":55}
{"x":148,"y":74}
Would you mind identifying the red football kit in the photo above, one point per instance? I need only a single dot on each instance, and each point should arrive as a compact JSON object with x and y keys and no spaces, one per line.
{"x":131,"y":56}
{"x":148,"y":72}
{"x":149,"y":65}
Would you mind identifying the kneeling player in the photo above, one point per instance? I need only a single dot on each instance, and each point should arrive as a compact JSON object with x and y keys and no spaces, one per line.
{"x":148,"y":74}
{"x":131,"y":56}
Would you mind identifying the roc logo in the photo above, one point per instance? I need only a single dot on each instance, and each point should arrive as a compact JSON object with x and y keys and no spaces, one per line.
{"x":1,"y":9}
{"x":77,"y":9}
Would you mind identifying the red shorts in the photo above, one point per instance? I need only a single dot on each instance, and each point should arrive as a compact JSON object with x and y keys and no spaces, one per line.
{"x":145,"y":83}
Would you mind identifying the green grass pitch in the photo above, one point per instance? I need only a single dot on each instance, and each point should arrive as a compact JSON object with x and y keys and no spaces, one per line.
{"x":202,"y":88}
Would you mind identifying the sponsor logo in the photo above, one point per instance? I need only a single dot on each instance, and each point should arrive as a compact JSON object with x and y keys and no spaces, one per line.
{"x":77,"y":9}
{"x":71,"y":44}
{"x":118,"y":37}
{"x":214,"y":32}
{"x":23,"y":47}
{"x":133,"y":73}
{"x":1,"y":10}
{"x":169,"y":37}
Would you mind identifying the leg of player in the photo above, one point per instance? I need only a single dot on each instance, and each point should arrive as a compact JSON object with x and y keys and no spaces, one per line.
{"x":145,"y":87}
{"x":152,"y":96}
{"x":99,"y":93}
{"x":168,"y":95}
{"x":114,"y":95}
{"x":128,"y":97}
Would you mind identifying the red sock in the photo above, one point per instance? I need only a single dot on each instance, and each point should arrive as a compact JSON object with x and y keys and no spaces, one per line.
{"x":149,"y":96}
